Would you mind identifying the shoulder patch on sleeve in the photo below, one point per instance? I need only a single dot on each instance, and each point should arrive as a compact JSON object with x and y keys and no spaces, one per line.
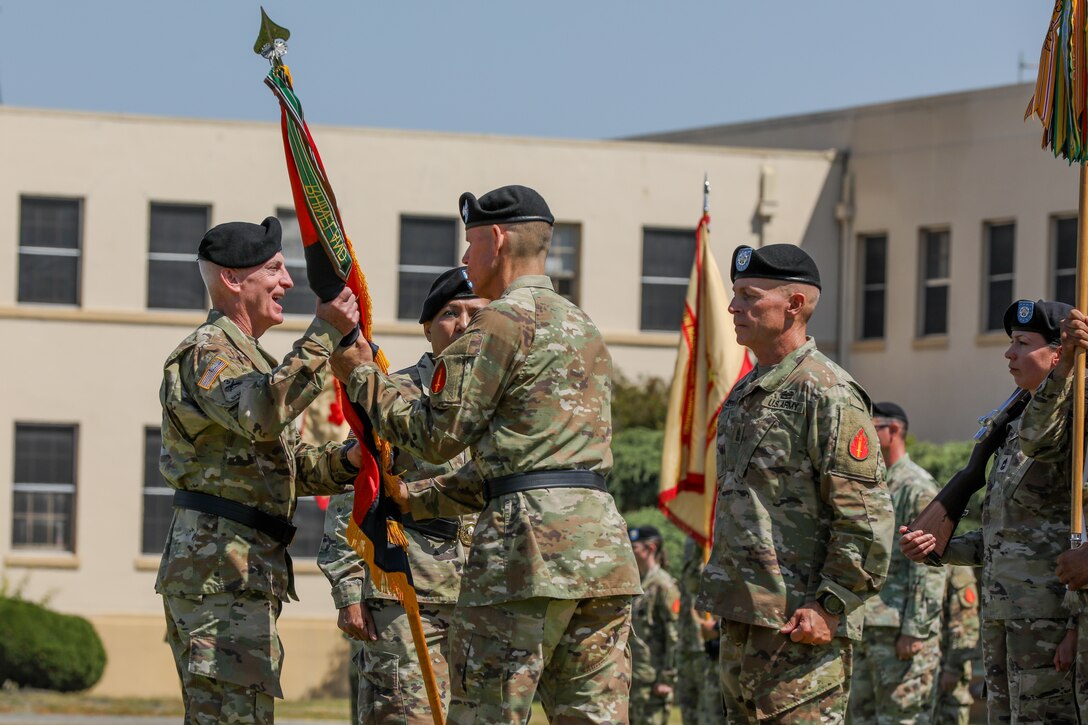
{"x":215,"y":367}
{"x":969,"y":596}
{"x":853,"y":453}
{"x":438,"y":380}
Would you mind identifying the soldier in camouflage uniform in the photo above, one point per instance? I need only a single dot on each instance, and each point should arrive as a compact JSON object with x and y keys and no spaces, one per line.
{"x":654,"y":637}
{"x":392,"y":689}
{"x":698,"y":686}
{"x":545,"y":601}
{"x":1024,"y":528}
{"x":959,"y":642}
{"x":895,"y":663}
{"x":803,"y":522}
{"x":231,"y":449}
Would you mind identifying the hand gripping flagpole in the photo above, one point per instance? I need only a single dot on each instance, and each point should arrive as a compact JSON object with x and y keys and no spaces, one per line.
{"x":374,"y":530}
{"x":1060,"y":102}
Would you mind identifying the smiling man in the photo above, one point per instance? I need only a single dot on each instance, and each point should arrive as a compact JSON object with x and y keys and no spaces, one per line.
{"x":233,"y":454}
{"x":803,"y":522}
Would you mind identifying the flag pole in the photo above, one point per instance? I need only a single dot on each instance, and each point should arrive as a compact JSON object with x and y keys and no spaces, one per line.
{"x":1076,"y":514}
{"x":711,"y":475}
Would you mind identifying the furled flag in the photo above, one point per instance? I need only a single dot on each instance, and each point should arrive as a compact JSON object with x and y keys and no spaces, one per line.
{"x":708,"y":362}
{"x":374,"y":530}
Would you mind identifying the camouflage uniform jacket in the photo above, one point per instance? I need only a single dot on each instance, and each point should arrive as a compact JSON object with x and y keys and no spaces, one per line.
{"x":529,"y":387}
{"x":436,"y":564}
{"x":227,"y":430}
{"x":802,"y":506}
{"x":1025,"y":517}
{"x":913,"y":594}
{"x":959,"y":638}
{"x":654,"y":639}
{"x":687,"y":626}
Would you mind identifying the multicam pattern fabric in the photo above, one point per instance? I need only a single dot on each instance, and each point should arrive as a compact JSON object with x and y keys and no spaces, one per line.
{"x":436,"y":564}
{"x":654,"y":641}
{"x":698,"y":685}
{"x":1022,"y":685}
{"x":886,"y":689}
{"x":959,"y":646}
{"x":236,"y":440}
{"x":528,"y":387}
{"x":802,"y":506}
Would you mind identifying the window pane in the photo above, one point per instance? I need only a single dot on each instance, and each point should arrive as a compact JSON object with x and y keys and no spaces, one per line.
{"x":999,"y":299}
{"x":48,"y":278}
{"x":45,"y":521}
{"x":875,"y":259}
{"x":300,"y":299}
{"x":1066,"y":251}
{"x":668,"y":253}
{"x":310,"y":520}
{"x":872,"y":320}
{"x":662,"y":306}
{"x":428,"y":242}
{"x":411,"y":291}
{"x":152,"y":453}
{"x":1066,"y":289}
{"x":177,"y":228}
{"x":1002,"y":238}
{"x":562,"y":262}
{"x":935,"y":311}
{"x":44,"y":454}
{"x":175,"y":285}
{"x":936,"y":250}
{"x":49,"y":223}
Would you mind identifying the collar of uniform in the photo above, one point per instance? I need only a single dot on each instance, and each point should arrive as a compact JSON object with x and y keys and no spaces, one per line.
{"x":530,"y":280}
{"x":778,"y":374}
{"x":241,"y":340}
{"x":902,"y":462}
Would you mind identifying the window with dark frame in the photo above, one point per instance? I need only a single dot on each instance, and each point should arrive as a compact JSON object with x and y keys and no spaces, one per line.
{"x":563,"y":256}
{"x":1065,"y":259}
{"x":1000,"y":250}
{"x":428,"y":247}
{"x":874,"y":287}
{"x":44,"y":488}
{"x":50,"y":237}
{"x":936,"y":280}
{"x":667,"y":257}
{"x":173,"y":278}
{"x":158,"y":496}
{"x":300,"y":299}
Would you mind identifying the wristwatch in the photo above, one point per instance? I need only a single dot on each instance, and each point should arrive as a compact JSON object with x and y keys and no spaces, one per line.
{"x":831,"y":604}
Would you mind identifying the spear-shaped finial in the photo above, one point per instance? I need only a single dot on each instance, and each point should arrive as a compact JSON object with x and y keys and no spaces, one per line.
{"x":271,"y":40}
{"x":706,"y":193}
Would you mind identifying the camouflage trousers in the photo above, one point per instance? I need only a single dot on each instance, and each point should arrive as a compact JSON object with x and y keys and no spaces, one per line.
{"x":228,"y":656}
{"x":391,"y":688}
{"x":648,"y":708}
{"x":766,"y":677}
{"x":953,"y":706}
{"x":1021,"y":683}
{"x":573,"y":652}
{"x":885,"y":689}
{"x":699,"y":689}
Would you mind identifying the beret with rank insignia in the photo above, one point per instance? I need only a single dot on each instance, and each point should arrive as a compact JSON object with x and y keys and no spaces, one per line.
{"x":453,"y":284}
{"x":506,"y":205}
{"x":786,"y":262}
{"x":644,"y":533}
{"x":239,"y":245}
{"x":1042,"y":316}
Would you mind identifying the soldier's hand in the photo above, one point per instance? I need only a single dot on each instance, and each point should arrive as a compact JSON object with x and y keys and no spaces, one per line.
{"x":399,"y":495}
{"x":916,"y":545}
{"x":1073,"y":567}
{"x":356,"y":622}
{"x":1074,"y":337}
{"x":342,"y":311}
{"x":661,"y":690}
{"x":1066,"y":652}
{"x":810,"y":624}
{"x":906,"y":647}
{"x":344,"y":360}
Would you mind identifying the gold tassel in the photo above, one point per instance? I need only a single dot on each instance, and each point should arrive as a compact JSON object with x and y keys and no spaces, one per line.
{"x":395,"y":533}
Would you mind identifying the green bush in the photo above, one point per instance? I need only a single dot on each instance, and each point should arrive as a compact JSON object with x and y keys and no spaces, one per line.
{"x":636,"y":468}
{"x":944,"y":460}
{"x":672,"y":536}
{"x":46,"y":650}
{"x":638,"y":403}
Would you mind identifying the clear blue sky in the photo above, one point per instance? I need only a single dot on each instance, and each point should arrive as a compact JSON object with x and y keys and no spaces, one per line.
{"x":562,"y":68}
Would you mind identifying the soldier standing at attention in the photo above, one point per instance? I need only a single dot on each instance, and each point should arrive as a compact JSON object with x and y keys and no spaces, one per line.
{"x":803,"y":522}
{"x":896,"y":661}
{"x":698,"y":686}
{"x":545,"y":600}
{"x":1024,"y":527}
{"x":231,"y":449}
{"x":959,"y":643}
{"x":654,"y":638}
{"x":392,"y":688}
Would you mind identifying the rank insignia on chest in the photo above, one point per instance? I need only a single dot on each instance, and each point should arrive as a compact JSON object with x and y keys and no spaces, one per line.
{"x":215,"y":367}
{"x":438,"y":380}
{"x":859,"y":445}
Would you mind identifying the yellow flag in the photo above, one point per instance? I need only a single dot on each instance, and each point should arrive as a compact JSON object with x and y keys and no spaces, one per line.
{"x":708,"y":363}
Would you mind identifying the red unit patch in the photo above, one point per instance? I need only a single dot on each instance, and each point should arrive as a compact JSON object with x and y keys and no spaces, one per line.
{"x":438,"y":380}
{"x":859,"y":446}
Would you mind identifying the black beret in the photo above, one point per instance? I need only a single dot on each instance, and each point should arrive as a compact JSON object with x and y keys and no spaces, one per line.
{"x":786,"y":262}
{"x":240,"y":244}
{"x":452,"y":284}
{"x":506,"y":205}
{"x":890,"y":410}
{"x":643,"y":533}
{"x":1041,"y":316}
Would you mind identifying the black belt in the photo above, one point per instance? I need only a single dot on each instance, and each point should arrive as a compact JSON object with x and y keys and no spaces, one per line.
{"x":532,"y":480}
{"x":279,"y":529}
{"x":435,"y":528}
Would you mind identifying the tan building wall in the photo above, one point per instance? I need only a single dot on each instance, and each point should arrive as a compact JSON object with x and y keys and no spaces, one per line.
{"x":98,"y":364}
